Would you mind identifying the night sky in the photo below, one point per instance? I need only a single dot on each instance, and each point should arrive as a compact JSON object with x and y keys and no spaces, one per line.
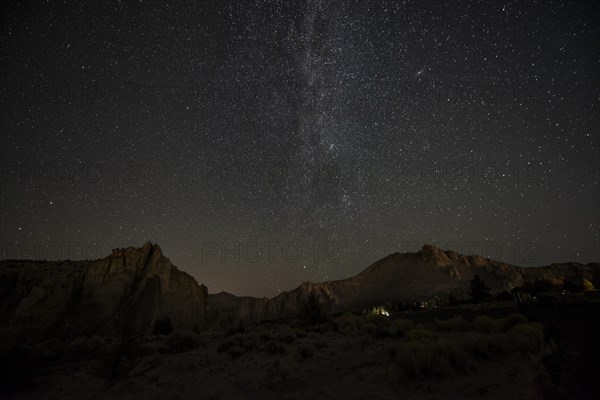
{"x":267,"y":143}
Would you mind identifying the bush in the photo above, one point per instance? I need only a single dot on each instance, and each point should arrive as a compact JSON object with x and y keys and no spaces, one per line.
{"x":305,"y":351}
{"x":226,"y":344}
{"x":325,"y":327}
{"x":527,"y":337}
{"x":485,"y":324}
{"x":250,"y":341}
{"x":87,"y":348}
{"x":386,"y":330}
{"x":311,"y":311}
{"x":549,"y":299}
{"x":429,"y":359}
{"x":542,"y":286}
{"x":236,"y":352}
{"x":347,"y":323}
{"x":453,"y":324}
{"x":403,"y":325}
{"x":587,"y":285}
{"x":476,"y":344}
{"x":505,"y":295}
{"x":182,"y":342}
{"x":419,"y":335}
{"x":369,"y":328}
{"x":287,"y":336}
{"x":275,"y":348}
{"x":514,"y":319}
{"x":245,"y":341}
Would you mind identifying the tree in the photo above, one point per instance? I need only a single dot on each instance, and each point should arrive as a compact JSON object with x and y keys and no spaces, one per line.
{"x":311,"y":309}
{"x":479,"y":291}
{"x":544,"y":286}
{"x":587,"y":285}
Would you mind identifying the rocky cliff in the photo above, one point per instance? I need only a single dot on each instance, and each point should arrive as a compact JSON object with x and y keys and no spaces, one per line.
{"x":123,"y":293}
{"x":408,"y":276}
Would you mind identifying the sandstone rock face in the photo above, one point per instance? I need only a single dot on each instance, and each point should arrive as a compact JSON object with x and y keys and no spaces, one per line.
{"x":123,"y":293}
{"x":408,"y":276}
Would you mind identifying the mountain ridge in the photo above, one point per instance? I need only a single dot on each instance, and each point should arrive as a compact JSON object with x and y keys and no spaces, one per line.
{"x":406,"y":276}
{"x":130,"y":289}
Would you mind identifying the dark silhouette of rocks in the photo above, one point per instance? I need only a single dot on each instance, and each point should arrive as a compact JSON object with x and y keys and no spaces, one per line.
{"x":122,"y":294}
{"x":416,"y":276}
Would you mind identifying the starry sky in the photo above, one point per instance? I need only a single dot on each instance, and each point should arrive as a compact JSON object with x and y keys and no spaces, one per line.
{"x":265,"y":143}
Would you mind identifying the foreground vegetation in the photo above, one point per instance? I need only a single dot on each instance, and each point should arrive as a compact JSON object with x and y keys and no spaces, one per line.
{"x":351,"y":352}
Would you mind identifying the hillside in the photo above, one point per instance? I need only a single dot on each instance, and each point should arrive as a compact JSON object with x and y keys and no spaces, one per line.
{"x":122,"y":294}
{"x":416,"y":276}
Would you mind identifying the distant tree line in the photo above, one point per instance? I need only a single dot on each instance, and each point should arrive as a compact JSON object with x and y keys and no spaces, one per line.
{"x":481,"y":293}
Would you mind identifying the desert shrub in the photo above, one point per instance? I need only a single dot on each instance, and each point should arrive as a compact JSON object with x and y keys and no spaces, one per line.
{"x":311,"y":311}
{"x":369,"y":328}
{"x":549,"y":299}
{"x":426,"y":359}
{"x":453,"y":324}
{"x":485,"y":324}
{"x":541,"y":286}
{"x":405,"y":356}
{"x":236,"y":352}
{"x":279,"y":369}
{"x":505,"y":295}
{"x":266,"y":336}
{"x":275,"y":348}
{"x":514,"y":319}
{"x":346,"y":323}
{"x":349,"y":322}
{"x":320,"y":343}
{"x":287,"y":336}
{"x":226,"y":344}
{"x":247,"y":341}
{"x":419,"y":335}
{"x":305,"y":351}
{"x":120,"y":358}
{"x":456,"y":355}
{"x":250,"y":341}
{"x":86,"y":348}
{"x":403,"y":325}
{"x":236,"y":328}
{"x":431,"y":360}
{"x":162,"y":326}
{"x":181,"y":342}
{"x":573,"y":285}
{"x":476,"y":344}
{"x":385,"y":331}
{"x":527,"y":337}
{"x":325,"y":327}
{"x":301,"y":333}
{"x":587,"y":285}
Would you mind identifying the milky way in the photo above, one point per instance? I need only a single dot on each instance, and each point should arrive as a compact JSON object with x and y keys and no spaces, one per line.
{"x":266,"y":143}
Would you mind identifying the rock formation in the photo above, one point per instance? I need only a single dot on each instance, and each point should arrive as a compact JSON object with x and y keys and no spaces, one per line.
{"x":126,"y":292}
{"x":417,"y":276}
{"x":122,"y":294}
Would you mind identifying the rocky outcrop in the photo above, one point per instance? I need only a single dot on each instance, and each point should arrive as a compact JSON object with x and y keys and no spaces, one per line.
{"x":123,"y":293}
{"x":407,"y":276}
